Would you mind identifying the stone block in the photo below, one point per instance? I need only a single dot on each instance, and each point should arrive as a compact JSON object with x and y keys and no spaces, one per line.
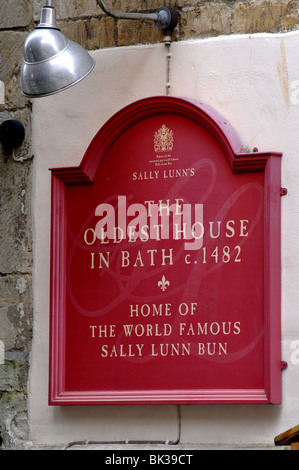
{"x":14,"y":420}
{"x":8,"y":334}
{"x":144,"y":5}
{"x":91,"y":34}
{"x":11,"y":57}
{"x":69,"y":10}
{"x":15,"y":203}
{"x":257,"y":16}
{"x":207,"y":20}
{"x":15,"y":13}
{"x":16,"y":315}
{"x":130,"y":32}
{"x":9,"y":377}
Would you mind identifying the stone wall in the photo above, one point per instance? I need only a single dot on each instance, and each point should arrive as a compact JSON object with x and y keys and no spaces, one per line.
{"x":84,"y":22}
{"x":15,"y":232}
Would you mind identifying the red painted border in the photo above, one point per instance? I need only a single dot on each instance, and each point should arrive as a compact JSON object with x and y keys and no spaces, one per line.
{"x":269,"y":163}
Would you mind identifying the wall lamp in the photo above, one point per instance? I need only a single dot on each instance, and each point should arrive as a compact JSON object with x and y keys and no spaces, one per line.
{"x":53,"y":63}
{"x":12,"y":134}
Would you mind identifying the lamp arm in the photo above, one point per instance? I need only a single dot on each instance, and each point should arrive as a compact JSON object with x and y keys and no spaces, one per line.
{"x":164,"y":17}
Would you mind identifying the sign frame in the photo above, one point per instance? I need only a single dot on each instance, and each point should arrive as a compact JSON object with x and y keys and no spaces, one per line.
{"x":267,"y":162}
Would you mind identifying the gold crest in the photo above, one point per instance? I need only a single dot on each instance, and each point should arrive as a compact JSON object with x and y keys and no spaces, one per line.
{"x":163,"y":140}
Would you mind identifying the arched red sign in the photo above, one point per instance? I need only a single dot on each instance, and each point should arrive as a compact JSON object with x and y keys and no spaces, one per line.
{"x":165,"y":264}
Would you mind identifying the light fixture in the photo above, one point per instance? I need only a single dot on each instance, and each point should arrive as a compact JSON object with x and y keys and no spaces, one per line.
{"x":12,"y":135}
{"x":53,"y":63}
{"x":165,"y":18}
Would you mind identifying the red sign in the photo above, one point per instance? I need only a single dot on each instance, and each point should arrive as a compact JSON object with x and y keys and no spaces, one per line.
{"x":165,"y":269}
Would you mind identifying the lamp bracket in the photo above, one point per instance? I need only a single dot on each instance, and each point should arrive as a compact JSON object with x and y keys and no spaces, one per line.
{"x":165,"y":18}
{"x":12,"y":134}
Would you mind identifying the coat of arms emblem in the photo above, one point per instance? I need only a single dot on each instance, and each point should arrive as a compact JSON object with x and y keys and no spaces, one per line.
{"x":163,"y":140}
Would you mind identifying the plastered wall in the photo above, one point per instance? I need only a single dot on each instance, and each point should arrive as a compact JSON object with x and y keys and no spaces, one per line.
{"x":252,"y":80}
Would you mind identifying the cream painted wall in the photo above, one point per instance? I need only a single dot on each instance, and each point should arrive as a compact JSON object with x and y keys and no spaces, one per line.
{"x":254,"y":82}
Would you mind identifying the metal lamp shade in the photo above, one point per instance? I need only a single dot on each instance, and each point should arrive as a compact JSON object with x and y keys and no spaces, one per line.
{"x":51,"y":62}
